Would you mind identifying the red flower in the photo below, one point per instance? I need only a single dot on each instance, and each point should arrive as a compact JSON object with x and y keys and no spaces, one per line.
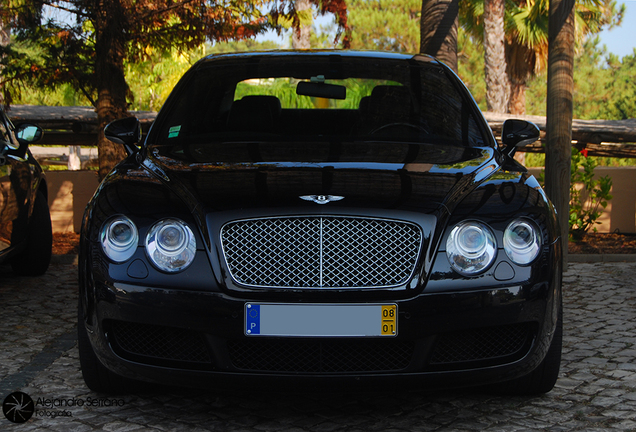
{"x":584,"y":152}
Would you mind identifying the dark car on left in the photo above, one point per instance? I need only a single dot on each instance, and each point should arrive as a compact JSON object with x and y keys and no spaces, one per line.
{"x":25,"y":222}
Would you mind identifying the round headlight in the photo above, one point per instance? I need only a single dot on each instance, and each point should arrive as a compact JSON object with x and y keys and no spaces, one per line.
{"x":170,"y":245}
{"x":119,"y":238}
{"x":471,"y":248}
{"x":522,"y":241}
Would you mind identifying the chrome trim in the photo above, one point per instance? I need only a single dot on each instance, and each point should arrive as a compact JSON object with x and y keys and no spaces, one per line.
{"x":321,"y":199}
{"x":394,"y":264}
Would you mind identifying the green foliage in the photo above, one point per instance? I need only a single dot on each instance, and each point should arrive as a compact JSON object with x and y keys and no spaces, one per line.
{"x":151,"y":80}
{"x":292,"y":14}
{"x":535,"y":160}
{"x":587,"y":195}
{"x":603,"y":89}
{"x":324,"y":37}
{"x":240,"y":46}
{"x":85,"y":46}
{"x":470,"y":56}
{"x":621,"y":86}
{"x":285,"y":90}
{"x":537,"y":93}
{"x":538,"y":160}
{"x":603,"y":85}
{"x":33,"y":73}
{"x":385,"y":25}
{"x":63,"y":95}
{"x":526,"y":35}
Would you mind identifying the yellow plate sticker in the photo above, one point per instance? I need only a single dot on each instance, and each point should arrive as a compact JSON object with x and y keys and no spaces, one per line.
{"x":389,"y":320}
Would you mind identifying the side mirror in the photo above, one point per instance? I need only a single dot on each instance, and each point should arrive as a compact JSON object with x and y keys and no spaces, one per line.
{"x":518,"y":133}
{"x":126,"y":131}
{"x":27,"y":133}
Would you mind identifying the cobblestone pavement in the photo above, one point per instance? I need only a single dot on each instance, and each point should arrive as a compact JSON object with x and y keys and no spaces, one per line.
{"x":596,"y":390}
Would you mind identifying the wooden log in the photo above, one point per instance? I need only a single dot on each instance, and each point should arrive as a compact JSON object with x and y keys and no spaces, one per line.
{"x":590,"y":131}
{"x":77,"y":119}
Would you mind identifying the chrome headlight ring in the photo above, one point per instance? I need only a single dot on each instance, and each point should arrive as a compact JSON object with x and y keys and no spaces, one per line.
{"x":119,"y":238}
{"x":471,"y":248}
{"x":170,"y":245}
{"x":522,"y":241}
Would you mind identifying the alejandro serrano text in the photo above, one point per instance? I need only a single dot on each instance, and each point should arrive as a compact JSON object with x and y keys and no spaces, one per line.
{"x":80,"y":402}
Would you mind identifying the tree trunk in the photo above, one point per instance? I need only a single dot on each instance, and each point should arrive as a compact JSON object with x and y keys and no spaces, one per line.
{"x":111,"y":81}
{"x":5,"y":34}
{"x":520,"y":64}
{"x":438,"y":30}
{"x":301,"y":35}
{"x":5,"y":38}
{"x":497,"y":86}
{"x":517,"y":104}
{"x":560,"y":111}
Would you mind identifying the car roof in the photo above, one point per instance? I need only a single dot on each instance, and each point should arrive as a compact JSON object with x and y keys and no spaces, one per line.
{"x":380,"y":55}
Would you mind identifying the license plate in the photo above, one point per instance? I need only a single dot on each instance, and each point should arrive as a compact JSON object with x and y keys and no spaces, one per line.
{"x":320,"y":320}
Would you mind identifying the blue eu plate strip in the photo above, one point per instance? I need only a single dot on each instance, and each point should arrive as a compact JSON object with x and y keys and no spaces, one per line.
{"x":253,"y":319}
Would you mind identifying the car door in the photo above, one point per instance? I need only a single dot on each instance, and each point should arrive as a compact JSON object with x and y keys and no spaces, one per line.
{"x":15,"y":182}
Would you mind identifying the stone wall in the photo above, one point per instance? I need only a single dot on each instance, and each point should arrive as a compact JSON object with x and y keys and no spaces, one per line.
{"x":69,"y":192}
{"x":620,"y":214}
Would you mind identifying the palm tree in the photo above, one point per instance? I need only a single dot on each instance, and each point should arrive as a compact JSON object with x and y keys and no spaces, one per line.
{"x":526,"y":28}
{"x":298,"y":15}
{"x":497,"y":85}
{"x":438,"y":27}
{"x":5,"y":38}
{"x":559,"y":110}
{"x":526,"y":48}
{"x":301,"y":31}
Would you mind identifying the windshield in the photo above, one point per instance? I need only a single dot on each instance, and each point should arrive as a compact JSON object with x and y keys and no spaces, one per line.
{"x":295,"y":99}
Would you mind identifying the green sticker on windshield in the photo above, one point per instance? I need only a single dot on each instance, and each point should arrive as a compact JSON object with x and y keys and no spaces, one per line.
{"x":173,"y":132}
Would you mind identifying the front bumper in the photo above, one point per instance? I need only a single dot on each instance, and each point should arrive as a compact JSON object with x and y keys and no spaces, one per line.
{"x":446,"y":339}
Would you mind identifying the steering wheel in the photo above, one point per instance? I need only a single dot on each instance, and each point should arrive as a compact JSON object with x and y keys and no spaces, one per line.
{"x":397,"y":125}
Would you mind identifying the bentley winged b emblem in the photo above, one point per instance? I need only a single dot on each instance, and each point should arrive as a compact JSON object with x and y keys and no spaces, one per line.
{"x":321,"y":199}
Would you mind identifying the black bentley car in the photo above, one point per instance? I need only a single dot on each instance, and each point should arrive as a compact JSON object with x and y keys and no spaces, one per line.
{"x":25,"y":222}
{"x":330,"y":215}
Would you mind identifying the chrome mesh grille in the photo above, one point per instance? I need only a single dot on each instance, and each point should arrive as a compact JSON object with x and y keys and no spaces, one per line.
{"x":482,"y":343}
{"x":321,"y":252}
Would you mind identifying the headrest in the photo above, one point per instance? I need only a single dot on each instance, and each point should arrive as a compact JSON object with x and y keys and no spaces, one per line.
{"x":256,"y":113}
{"x":390,"y":95}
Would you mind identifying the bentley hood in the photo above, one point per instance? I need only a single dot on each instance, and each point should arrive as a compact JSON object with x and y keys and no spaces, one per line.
{"x":414,"y":177}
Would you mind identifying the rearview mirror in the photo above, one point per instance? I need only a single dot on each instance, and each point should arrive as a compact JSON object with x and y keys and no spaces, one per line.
{"x":321,"y":90}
